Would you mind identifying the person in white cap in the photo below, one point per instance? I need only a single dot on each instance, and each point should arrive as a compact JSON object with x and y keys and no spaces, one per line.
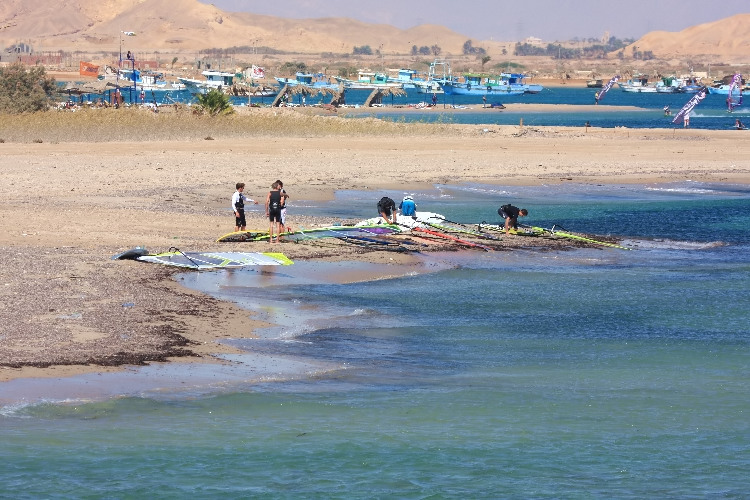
{"x":407,"y":206}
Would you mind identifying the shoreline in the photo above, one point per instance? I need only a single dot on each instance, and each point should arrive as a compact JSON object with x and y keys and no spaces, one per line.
{"x":63,"y":296}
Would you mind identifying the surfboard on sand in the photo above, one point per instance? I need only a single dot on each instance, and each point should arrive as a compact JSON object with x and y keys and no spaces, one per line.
{"x":207,"y":260}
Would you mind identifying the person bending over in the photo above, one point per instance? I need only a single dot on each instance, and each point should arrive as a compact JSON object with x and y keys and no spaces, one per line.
{"x":511,"y":215}
{"x":387,"y":209}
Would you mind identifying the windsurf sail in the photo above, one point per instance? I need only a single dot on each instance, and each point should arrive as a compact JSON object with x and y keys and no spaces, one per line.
{"x":734,"y":99}
{"x":608,"y":86}
{"x":206,"y":260}
{"x":688,"y":107}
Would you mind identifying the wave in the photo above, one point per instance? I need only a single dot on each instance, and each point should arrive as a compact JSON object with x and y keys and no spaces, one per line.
{"x":666,"y":244}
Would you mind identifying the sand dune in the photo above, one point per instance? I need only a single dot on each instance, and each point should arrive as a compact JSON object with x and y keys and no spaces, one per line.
{"x":189,"y":25}
{"x":724,"y":41}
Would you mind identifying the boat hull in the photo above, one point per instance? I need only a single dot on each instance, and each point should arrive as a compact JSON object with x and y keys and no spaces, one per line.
{"x":480,"y":90}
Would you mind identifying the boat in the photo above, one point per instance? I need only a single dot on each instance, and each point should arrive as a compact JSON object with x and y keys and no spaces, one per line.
{"x":669,"y":85}
{"x":517,"y":81}
{"x":368,"y":81}
{"x":309,"y":80}
{"x":638,"y":84}
{"x":140,"y":80}
{"x":213,"y":80}
{"x":481,"y":84}
{"x":439,"y":72}
{"x":691,"y":84}
{"x":406,"y":77}
{"x":595,"y":84}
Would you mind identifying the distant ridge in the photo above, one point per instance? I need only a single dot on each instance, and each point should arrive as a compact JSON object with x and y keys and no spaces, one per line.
{"x":724,"y":41}
{"x":188,"y":25}
{"x":89,"y":25}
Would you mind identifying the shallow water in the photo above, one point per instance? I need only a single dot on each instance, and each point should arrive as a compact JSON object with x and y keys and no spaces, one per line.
{"x":581,"y":374}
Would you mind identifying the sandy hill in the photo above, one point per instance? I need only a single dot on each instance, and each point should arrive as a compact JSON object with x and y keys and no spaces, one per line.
{"x":174,"y":26}
{"x":87,"y":25}
{"x":725,"y":41}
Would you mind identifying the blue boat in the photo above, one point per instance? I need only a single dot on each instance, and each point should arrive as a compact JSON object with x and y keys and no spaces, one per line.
{"x":480,"y":84}
{"x":518,"y":81}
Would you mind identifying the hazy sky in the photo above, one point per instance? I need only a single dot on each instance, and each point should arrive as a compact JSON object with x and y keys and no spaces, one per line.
{"x":504,"y":20}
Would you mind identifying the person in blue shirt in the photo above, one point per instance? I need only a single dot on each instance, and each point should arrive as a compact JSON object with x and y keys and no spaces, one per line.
{"x":408,"y":207}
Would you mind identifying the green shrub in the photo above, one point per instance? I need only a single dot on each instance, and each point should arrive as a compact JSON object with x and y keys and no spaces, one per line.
{"x":214,"y":103}
{"x":24,"y":91}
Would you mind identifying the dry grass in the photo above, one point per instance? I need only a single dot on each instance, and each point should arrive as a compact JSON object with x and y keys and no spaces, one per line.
{"x":138,"y":124}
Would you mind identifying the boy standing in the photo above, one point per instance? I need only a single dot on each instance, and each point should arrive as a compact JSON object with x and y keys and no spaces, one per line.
{"x":238,"y":207}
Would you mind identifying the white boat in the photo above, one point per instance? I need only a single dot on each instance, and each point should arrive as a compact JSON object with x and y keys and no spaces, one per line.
{"x":309,"y":80}
{"x":639,"y":84}
{"x":369,"y":81}
{"x":440,"y":72}
{"x":141,"y":80}
{"x":213,"y":80}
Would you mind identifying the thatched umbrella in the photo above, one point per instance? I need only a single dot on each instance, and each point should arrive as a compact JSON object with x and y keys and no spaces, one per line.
{"x":376,"y":97}
{"x":303,"y":90}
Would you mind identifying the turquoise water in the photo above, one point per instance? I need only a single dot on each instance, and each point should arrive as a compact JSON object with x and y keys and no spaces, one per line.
{"x":711,"y":113}
{"x":578,"y":374}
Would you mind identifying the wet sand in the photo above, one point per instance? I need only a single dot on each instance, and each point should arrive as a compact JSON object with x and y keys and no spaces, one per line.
{"x":68,"y":207}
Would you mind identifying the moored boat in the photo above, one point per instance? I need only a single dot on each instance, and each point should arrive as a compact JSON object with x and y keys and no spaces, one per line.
{"x":480,"y":84}
{"x":213,"y":80}
{"x":309,"y":80}
{"x":369,"y":81}
{"x":517,"y":81}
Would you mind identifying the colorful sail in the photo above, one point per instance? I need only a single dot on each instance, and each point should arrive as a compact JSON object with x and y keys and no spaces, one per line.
{"x":608,"y":86}
{"x":688,"y":107}
{"x":734,"y":98}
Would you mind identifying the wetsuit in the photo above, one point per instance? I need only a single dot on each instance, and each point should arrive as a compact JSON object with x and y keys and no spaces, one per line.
{"x":274,"y":207}
{"x":510,"y":212}
{"x":238,"y":205}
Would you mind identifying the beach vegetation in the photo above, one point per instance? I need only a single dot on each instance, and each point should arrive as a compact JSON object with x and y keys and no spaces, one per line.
{"x":509,"y":66}
{"x":180,"y":123}
{"x":364,"y":50}
{"x":424,"y":50}
{"x":292,"y":67}
{"x":469,"y":49}
{"x":214,"y":103}
{"x":25,"y":90}
{"x":347,"y":71}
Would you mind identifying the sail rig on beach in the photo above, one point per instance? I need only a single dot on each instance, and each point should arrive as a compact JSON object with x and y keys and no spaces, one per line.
{"x":688,"y":107}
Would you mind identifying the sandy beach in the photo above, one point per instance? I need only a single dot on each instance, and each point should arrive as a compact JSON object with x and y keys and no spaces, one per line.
{"x":69,"y":206}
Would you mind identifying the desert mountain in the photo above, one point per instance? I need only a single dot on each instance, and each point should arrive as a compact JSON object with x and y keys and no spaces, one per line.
{"x":725,"y":41}
{"x":163,"y":25}
{"x":168,"y":26}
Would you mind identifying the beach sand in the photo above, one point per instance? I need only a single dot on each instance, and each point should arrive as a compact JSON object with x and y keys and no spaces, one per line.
{"x":67,"y":308}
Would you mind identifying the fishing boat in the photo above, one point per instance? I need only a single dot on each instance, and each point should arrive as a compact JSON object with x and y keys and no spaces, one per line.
{"x":369,"y":81}
{"x":213,"y":80}
{"x":638,"y":84}
{"x":309,"y":80}
{"x":517,"y":81}
{"x":406,"y":77}
{"x":481,"y":85}
{"x":439,"y":72}
{"x":141,"y":80}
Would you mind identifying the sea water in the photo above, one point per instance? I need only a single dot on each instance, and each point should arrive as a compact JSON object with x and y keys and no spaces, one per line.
{"x":710,"y":114}
{"x":590,"y":373}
